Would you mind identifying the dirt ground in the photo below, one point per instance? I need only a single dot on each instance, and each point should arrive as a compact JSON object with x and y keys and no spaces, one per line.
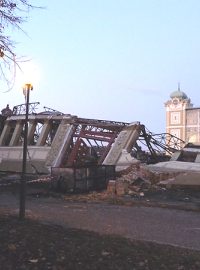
{"x":32,"y":245}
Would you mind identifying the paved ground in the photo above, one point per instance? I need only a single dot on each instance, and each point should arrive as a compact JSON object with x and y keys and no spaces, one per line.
{"x":169,"y":226}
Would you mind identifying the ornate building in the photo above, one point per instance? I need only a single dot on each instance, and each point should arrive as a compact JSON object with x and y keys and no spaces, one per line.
{"x":182,"y":119}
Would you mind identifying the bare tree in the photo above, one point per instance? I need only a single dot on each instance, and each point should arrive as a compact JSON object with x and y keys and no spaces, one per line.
{"x":12,"y":14}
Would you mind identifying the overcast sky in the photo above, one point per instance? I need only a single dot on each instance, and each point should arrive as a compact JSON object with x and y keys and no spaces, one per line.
{"x":111,"y":59}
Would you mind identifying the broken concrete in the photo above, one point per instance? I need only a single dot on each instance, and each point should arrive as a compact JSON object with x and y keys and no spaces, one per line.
{"x":185,"y":160}
{"x":119,"y":154}
{"x":183,"y":180}
{"x":175,"y":166}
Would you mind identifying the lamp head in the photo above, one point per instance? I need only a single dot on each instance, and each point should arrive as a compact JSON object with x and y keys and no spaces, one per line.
{"x":27,"y":87}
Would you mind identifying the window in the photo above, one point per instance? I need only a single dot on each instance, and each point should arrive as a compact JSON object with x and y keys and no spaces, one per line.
{"x":175,"y":118}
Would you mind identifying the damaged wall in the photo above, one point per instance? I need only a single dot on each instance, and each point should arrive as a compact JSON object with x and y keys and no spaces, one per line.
{"x":42,"y":152}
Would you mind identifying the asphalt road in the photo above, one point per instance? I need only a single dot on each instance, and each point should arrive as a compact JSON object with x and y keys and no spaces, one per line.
{"x":166,"y":226}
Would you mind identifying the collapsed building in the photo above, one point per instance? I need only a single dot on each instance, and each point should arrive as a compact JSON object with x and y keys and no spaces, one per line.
{"x":62,"y":140}
{"x":61,"y":144}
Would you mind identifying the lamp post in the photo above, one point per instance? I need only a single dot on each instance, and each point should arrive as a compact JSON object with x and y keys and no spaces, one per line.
{"x":26,"y":91}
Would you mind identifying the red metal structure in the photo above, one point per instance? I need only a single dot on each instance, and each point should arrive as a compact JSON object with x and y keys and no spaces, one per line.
{"x":92,"y":141}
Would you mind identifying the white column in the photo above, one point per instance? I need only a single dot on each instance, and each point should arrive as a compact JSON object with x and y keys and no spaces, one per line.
{"x":5,"y":133}
{"x":16,"y":134}
{"x":31,"y":131}
{"x":44,"y":133}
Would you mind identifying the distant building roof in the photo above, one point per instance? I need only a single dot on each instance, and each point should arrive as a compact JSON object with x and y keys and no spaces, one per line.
{"x":6,"y":111}
{"x":192,"y":108}
{"x":178,"y":94}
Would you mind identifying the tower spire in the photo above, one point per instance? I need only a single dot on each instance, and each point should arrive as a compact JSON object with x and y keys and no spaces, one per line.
{"x":179,"y":88}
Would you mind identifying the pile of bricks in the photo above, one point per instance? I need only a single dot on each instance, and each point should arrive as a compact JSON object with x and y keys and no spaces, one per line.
{"x":136,"y":179}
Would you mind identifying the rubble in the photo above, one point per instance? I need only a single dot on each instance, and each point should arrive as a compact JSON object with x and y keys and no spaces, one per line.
{"x":138,"y":186}
{"x":136,"y":180}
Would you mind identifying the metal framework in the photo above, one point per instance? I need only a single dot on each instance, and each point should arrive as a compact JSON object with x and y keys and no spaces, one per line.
{"x":158,"y":146}
{"x":48,"y":110}
{"x":92,"y":141}
{"x":21,"y":109}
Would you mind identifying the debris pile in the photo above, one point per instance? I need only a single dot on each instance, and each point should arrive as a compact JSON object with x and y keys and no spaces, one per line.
{"x":136,"y":180}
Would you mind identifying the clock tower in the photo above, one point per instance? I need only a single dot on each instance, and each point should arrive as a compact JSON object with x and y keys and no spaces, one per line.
{"x":176,"y":114}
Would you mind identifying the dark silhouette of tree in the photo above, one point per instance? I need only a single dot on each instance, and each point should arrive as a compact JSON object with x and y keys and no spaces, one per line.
{"x":12,"y":14}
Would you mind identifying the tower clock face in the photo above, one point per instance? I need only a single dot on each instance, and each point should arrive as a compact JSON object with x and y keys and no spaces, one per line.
{"x":175,"y":102}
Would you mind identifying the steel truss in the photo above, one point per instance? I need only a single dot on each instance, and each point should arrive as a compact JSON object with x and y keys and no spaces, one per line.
{"x":92,"y":141}
{"x":21,"y":109}
{"x":158,"y":147}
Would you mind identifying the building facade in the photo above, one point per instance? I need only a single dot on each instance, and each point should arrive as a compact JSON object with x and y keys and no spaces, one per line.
{"x":182,"y":119}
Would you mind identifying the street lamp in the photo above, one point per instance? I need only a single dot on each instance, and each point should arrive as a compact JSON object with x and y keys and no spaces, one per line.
{"x":26,"y":91}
